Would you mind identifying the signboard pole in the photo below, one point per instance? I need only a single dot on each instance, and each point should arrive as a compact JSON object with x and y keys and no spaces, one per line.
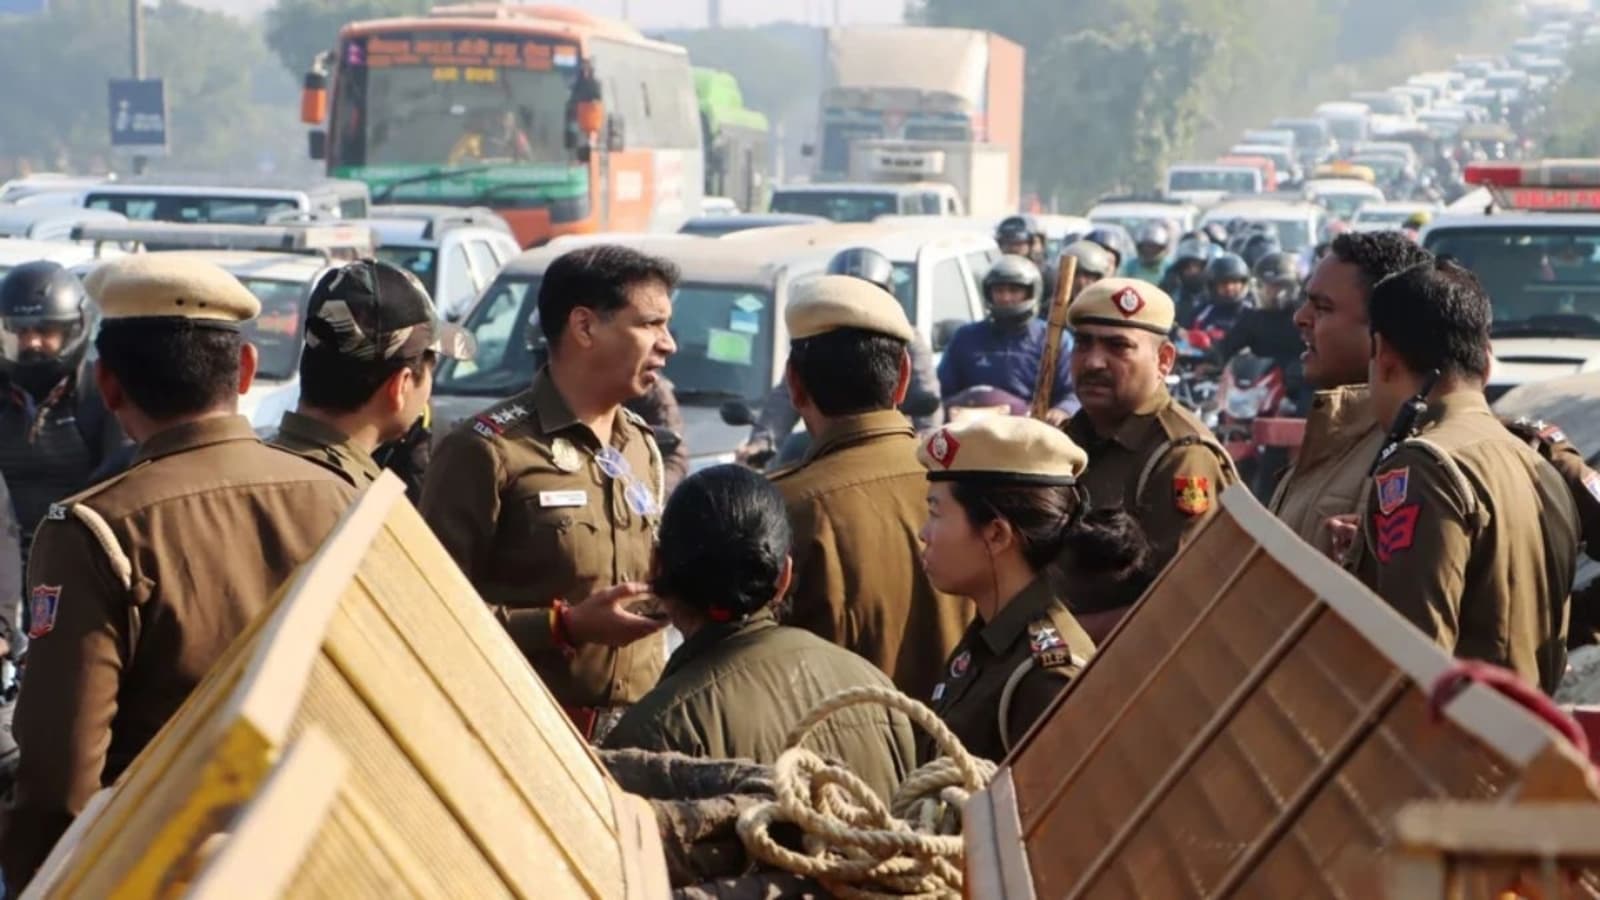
{"x":136,"y":22}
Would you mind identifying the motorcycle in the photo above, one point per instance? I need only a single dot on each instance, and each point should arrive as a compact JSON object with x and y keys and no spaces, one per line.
{"x":1252,"y":399}
{"x":1193,"y":381}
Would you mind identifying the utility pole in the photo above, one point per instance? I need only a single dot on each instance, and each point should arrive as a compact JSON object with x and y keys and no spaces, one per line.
{"x":713,"y":13}
{"x":136,"y":27}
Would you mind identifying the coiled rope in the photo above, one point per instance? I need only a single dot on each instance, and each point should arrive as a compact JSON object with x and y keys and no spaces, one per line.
{"x":855,"y":845}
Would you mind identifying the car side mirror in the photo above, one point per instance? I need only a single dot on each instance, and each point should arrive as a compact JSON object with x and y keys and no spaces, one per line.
{"x":943,"y":332}
{"x":737,"y":413}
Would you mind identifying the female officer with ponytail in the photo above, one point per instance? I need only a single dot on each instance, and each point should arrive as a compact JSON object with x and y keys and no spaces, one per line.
{"x":1003,"y":504}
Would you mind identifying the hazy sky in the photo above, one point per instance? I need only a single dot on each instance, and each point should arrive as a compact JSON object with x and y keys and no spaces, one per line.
{"x":686,"y":13}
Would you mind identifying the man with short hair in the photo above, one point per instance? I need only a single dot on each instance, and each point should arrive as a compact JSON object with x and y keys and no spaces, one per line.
{"x":859,"y":498}
{"x":373,"y":338}
{"x":1147,"y":454}
{"x":1323,"y":487}
{"x":139,"y":584}
{"x":555,"y":493}
{"x":1468,"y":532}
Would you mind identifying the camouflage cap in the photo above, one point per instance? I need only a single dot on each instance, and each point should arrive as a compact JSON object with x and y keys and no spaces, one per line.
{"x":373,"y":312}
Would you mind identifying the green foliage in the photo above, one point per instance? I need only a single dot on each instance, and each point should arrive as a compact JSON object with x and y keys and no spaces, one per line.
{"x":297,"y":30}
{"x":774,"y":76}
{"x":228,"y":103}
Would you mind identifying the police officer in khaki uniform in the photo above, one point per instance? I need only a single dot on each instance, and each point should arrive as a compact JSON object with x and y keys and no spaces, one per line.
{"x":366,"y":373}
{"x":1469,"y":533}
{"x":1003,"y":504}
{"x":741,"y":682}
{"x":1147,"y":454}
{"x":1318,"y":496}
{"x":1584,"y":485}
{"x":856,"y":499}
{"x":556,"y":492}
{"x":139,"y":584}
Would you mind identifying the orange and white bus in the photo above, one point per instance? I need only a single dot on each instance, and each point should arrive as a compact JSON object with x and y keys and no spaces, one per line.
{"x":561,"y":121}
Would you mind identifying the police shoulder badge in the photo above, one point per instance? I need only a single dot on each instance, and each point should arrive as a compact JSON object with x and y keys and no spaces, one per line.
{"x":1192,"y":494}
{"x":1392,"y":488}
{"x":1128,"y":302}
{"x":42,"y":606}
{"x":1048,"y":647}
{"x":1395,"y":531}
{"x":564,"y":455}
{"x":960,"y":665}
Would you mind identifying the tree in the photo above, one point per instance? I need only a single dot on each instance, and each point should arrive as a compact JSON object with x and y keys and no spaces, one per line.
{"x":297,"y":30}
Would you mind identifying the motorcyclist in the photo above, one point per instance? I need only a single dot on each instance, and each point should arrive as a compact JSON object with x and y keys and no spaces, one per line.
{"x":1227,"y":295}
{"x":54,"y":429}
{"x":773,"y":434}
{"x":1023,"y":236}
{"x":1186,"y":278}
{"x":1268,"y":328}
{"x":1217,"y":232}
{"x":1005,"y":350}
{"x":1094,"y":263}
{"x":1260,"y":245}
{"x":1115,"y":239}
{"x":1150,"y":253}
{"x":1415,"y":223}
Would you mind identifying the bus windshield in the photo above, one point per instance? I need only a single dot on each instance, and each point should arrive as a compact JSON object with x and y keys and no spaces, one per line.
{"x":1233,"y":181}
{"x":452,"y":116}
{"x":1543,"y":282}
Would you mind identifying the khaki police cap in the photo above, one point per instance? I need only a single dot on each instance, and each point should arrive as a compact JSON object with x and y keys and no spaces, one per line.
{"x":1008,"y":449}
{"x":839,"y":301}
{"x":1123,"y":303}
{"x":158,"y":285}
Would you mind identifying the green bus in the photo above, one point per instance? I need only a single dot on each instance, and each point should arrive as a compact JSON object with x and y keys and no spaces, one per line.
{"x":737,"y":141}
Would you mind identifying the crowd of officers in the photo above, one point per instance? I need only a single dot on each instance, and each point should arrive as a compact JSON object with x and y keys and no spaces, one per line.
{"x":974,"y":565}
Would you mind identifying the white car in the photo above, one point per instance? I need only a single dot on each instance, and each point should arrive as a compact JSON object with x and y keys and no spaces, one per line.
{"x":1390,"y":215}
{"x":1342,"y":197}
{"x":455,"y":252}
{"x":15,"y":251}
{"x":1298,"y":225}
{"x":1203,"y":184}
{"x":1134,"y":214}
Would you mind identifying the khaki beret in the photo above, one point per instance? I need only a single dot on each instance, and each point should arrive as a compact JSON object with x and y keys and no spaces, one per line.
{"x":169,"y":285}
{"x":1125,"y":303}
{"x":1008,"y":449}
{"x":839,"y":301}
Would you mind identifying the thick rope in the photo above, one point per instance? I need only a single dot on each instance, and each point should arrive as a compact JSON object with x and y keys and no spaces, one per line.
{"x":855,"y":845}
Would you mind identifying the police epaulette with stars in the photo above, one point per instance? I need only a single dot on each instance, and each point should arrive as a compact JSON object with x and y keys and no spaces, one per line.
{"x":1049,"y":648}
{"x":496,"y":420}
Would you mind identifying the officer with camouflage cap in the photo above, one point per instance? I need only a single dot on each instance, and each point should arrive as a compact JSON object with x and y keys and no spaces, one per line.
{"x":1004,"y":503}
{"x":137,"y":585}
{"x":373,"y":338}
{"x":1147,"y":454}
{"x":856,"y":499}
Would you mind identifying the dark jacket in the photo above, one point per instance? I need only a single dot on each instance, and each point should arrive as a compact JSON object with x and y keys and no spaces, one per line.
{"x":985,"y":353}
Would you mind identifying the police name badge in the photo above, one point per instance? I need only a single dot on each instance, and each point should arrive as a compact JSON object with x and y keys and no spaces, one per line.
{"x":565,"y":456}
{"x":563,"y":499}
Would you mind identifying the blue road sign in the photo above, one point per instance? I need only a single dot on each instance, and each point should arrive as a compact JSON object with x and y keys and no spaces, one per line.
{"x":138,"y":117}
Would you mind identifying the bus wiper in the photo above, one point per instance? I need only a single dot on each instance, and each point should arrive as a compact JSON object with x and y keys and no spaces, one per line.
{"x":436,"y":175}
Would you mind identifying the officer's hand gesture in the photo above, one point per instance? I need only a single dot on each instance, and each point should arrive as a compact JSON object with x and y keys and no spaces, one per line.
{"x":603,"y":617}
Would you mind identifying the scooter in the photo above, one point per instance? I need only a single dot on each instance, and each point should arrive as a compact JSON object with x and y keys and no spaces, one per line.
{"x":1253,"y":389}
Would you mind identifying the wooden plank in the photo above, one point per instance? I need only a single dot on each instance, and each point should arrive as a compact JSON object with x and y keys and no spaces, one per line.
{"x":272,"y":834}
{"x":1570,"y":831}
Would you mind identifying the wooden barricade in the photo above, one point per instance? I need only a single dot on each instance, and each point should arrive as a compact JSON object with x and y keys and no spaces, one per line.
{"x":1452,"y":850}
{"x":1249,"y":730}
{"x":375,"y":734}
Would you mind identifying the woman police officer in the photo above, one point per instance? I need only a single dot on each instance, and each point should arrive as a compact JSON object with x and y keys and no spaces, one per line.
{"x":1003,"y":504}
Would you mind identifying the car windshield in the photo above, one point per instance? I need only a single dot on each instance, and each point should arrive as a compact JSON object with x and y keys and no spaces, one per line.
{"x":1387,"y":168}
{"x":724,"y":335}
{"x":1231,"y":181}
{"x":276,"y":332}
{"x":1343,"y":206}
{"x":1383,"y":216}
{"x":1347,"y":129}
{"x":171,"y":208}
{"x":420,"y":261}
{"x":1311,"y":134}
{"x":837,"y":206}
{"x":1542,"y":281}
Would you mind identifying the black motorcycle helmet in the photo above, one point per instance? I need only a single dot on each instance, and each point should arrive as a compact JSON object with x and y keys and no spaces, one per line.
{"x":1227,"y":267}
{"x":1279,"y":275}
{"x":1113,"y":239}
{"x":1014,"y":230}
{"x":866,"y":264}
{"x":1217,"y":232}
{"x":1020,"y":271}
{"x":44,"y":295}
{"x":1259,"y":246}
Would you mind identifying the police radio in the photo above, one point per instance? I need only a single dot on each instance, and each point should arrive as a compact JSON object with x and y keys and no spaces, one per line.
{"x":1405,"y":424}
